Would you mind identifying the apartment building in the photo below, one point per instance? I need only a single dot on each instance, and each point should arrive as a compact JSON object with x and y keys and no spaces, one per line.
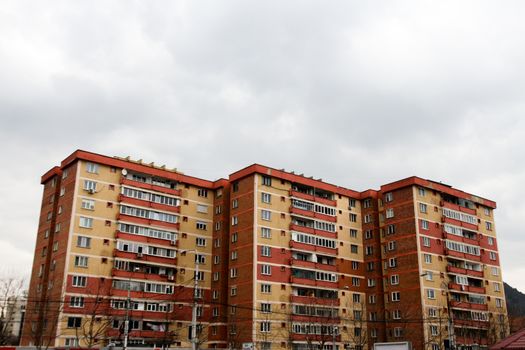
{"x":265,"y":258}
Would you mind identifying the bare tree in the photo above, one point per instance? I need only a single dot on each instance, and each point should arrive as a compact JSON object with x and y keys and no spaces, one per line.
{"x":11,"y":294}
{"x":355,"y":327}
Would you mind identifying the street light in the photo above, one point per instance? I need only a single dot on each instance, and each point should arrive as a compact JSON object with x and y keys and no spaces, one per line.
{"x":128,"y":305}
{"x":449,"y":314}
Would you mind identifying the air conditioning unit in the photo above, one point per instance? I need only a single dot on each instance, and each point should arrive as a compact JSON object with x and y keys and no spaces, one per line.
{"x":91,"y":191}
{"x":171,"y":278}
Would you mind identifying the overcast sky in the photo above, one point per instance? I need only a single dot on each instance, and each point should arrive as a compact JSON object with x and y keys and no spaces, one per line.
{"x":356,"y":93}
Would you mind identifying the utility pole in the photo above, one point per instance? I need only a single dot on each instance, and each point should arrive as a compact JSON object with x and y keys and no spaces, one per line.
{"x":128,"y":307}
{"x":194,"y":310}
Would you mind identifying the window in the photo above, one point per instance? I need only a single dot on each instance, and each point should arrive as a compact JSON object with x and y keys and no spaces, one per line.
{"x":389,"y":213}
{"x":79,"y":281}
{"x":353,"y":248}
{"x":488,"y":226}
{"x":428,"y":258}
{"x":426,"y":241}
{"x":266,"y":288}
{"x":499,"y":302}
{"x":389,"y":197}
{"x":398,"y":332}
{"x":356,"y":282}
{"x":266,"y":269}
{"x":233,"y":291}
{"x":495,"y":271}
{"x":216,"y":259}
{"x":367,"y":203}
{"x":424,"y":224}
{"x":395,"y":296}
{"x":216,"y":276}
{"x":392,"y":262}
{"x":266,"y":215}
{"x":431,"y":294}
{"x":433,"y":330}
{"x":235,"y":203}
{"x":369,"y":250}
{"x":394,"y":279}
{"x":392,"y":245}
{"x":90,"y":186}
{"x":355,"y":265}
{"x":373,"y":333}
{"x":353,"y":233}
{"x":215,"y":294}
{"x":88,"y":204}
{"x":421,"y":191}
{"x":497,"y":286}
{"x":266,"y":197}
{"x":76,"y":302}
{"x":492,"y":255}
{"x":218,"y":209}
{"x":74,"y":322}
{"x":83,"y":242}
{"x":428,"y":275}
{"x":368,"y":218}
{"x":58,"y":226}
{"x":265,"y":326}
{"x":215,"y":312}
{"x":266,"y":251}
{"x":92,"y":168}
{"x":55,"y":246}
{"x":490,"y":240}
{"x":202,"y":192}
{"x":200,"y":259}
{"x":422,"y":207}
{"x":202,"y":208}
{"x":71,"y":342}
{"x":235,"y":220}
{"x":356,"y":298}
{"x":353,"y":217}
{"x":390,"y":229}
{"x":234,"y":237}
{"x":201,"y":225}
{"x":200,"y":242}
{"x":372,"y":299}
{"x":266,"y":232}
{"x":266,"y":181}
{"x":370,"y":266}
{"x":81,"y":261}
{"x":234,"y":255}
{"x":85,"y":222}
{"x":371,"y":282}
{"x":233,"y":272}
{"x":396,"y":314}
{"x":62,"y":191}
{"x":266,"y":308}
{"x":351,"y":203}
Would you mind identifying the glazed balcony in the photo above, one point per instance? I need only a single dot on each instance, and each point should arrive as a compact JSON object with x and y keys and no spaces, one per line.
{"x":313,"y":248}
{"x":148,"y":204}
{"x":142,"y":275}
{"x":312,"y":230}
{"x":147,"y":186}
{"x":462,"y":255}
{"x":315,"y":319}
{"x":147,"y":222}
{"x":313,"y":282}
{"x":146,"y":239}
{"x":315,"y":337}
{"x":145,"y":257}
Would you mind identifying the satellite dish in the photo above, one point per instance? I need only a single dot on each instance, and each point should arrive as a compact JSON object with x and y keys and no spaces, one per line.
{"x":124,"y":172}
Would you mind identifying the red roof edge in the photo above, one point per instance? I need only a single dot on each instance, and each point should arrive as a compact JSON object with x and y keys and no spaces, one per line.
{"x":414,"y":180}
{"x":50,"y":173}
{"x":508,"y":342}
{"x":281,"y":174}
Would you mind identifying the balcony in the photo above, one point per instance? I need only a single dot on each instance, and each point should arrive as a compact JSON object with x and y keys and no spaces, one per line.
{"x":145,"y":257}
{"x":471,"y":323}
{"x":467,"y":305}
{"x":312,"y":198}
{"x":142,"y":275}
{"x":313,"y":265}
{"x":310,"y":282}
{"x":471,"y":340}
{"x":313,"y":248}
{"x":312,"y":231}
{"x":462,"y":271}
{"x":315,"y":319}
{"x":470,"y":289}
{"x":146,"y":239}
{"x":174,"y":192}
{"x":314,"y":301}
{"x":461,"y":255}
{"x":143,"y":203}
{"x":327,"y":338}
{"x":147,"y":222}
